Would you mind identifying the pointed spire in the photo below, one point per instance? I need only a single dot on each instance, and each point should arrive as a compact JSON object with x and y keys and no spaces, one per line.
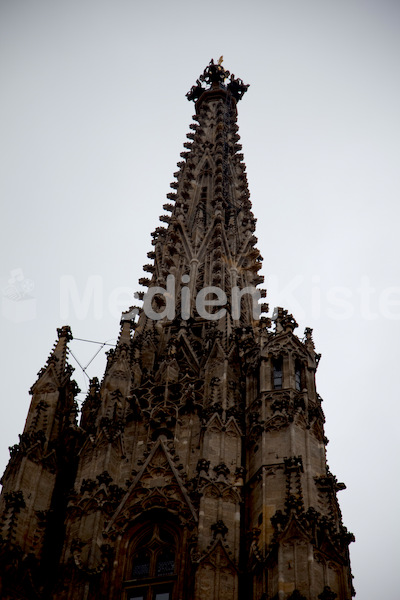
{"x":57,"y":360}
{"x":126,"y":327}
{"x":209,"y":235}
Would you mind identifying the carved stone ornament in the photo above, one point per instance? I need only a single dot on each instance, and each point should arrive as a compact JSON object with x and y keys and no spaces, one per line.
{"x":219,"y":528}
{"x":295,"y":595}
{"x":327,"y":594}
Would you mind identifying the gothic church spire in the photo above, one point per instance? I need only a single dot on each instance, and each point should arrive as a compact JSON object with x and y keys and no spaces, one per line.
{"x":209,"y":235}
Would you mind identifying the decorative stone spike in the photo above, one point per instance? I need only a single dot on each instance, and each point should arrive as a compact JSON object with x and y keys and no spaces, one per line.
{"x":65,"y":331}
{"x":130,"y":314}
{"x":144,"y":281}
{"x":149,"y":268}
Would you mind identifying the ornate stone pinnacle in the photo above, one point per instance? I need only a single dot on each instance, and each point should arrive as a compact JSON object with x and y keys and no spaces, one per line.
{"x":65,"y":331}
{"x":214,"y":75}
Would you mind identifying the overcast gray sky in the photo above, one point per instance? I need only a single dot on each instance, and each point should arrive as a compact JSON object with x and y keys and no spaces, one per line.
{"x":93,"y":116}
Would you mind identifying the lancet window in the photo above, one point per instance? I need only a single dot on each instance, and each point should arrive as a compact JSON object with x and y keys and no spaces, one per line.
{"x":297,"y":375}
{"x":277,"y":373}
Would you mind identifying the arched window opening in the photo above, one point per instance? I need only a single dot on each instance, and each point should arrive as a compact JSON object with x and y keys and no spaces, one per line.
{"x":153,"y":564}
{"x":297,"y":376}
{"x":277,"y":373}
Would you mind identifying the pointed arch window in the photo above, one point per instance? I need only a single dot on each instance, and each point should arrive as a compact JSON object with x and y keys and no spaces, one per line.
{"x":277,"y":373}
{"x":152,"y":571}
{"x":297,"y":375}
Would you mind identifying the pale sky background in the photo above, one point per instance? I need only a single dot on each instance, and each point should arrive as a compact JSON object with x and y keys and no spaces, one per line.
{"x":93,"y":116}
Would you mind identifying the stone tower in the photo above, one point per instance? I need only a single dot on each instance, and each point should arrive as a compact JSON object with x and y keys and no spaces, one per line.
{"x":198,"y":470}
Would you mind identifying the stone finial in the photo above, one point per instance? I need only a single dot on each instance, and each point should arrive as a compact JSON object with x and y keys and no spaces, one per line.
{"x":293,"y":463}
{"x":15,"y":500}
{"x":214,"y":76}
{"x":283,"y":320}
{"x":237,"y":88}
{"x":295,"y":595}
{"x":202,"y":467}
{"x":219,"y":528}
{"x":64,"y":331}
{"x":308,"y":338}
{"x":327,"y":594}
{"x":222,"y":471}
{"x":130,"y":315}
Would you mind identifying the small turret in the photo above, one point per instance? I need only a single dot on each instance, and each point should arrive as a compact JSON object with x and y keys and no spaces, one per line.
{"x":199,"y":467}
